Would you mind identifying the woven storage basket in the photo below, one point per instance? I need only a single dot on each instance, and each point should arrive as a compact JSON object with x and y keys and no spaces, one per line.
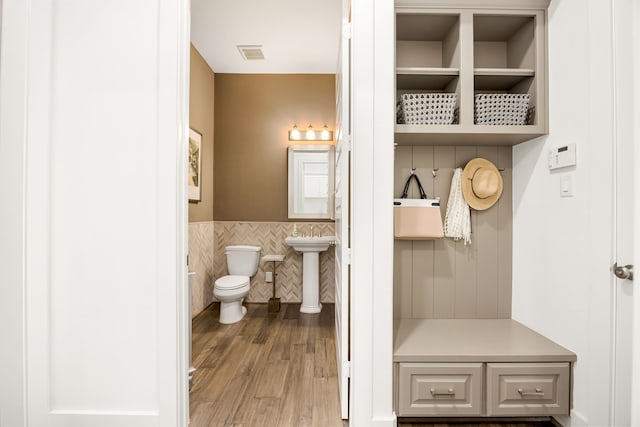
{"x":428,"y":108}
{"x":501,"y":108}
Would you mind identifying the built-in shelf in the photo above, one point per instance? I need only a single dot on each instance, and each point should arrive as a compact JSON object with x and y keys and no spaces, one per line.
{"x":428,"y":71}
{"x":467,"y":49}
{"x":516,"y":72}
{"x":425,"y":78}
{"x":500,"y":79}
{"x":463,"y":134}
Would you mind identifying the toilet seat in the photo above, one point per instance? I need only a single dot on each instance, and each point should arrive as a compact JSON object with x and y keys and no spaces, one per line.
{"x":231,"y":282}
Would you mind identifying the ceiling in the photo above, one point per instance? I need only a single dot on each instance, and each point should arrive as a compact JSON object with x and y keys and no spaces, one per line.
{"x":297,"y":36}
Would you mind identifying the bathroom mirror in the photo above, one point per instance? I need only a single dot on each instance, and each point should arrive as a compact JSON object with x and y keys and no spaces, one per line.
{"x":311,"y":181}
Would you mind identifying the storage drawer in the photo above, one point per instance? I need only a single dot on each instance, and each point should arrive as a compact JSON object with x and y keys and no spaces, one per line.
{"x":527,"y":388}
{"x":439,"y":389}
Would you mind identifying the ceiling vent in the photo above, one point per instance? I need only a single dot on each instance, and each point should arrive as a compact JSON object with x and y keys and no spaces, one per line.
{"x":251,"y":52}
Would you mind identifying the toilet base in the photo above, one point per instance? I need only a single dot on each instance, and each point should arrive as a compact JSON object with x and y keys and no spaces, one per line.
{"x":232,"y":312}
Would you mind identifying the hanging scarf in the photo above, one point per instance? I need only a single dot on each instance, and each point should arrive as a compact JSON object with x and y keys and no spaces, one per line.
{"x":457,"y":222}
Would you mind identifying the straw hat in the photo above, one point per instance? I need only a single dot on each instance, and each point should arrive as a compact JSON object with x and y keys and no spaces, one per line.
{"x":481,"y":184}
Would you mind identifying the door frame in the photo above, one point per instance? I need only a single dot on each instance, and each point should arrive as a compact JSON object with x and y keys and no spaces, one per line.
{"x":625,"y":335}
{"x":635,"y":385}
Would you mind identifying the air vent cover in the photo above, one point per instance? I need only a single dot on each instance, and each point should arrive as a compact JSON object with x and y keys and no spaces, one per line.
{"x":251,"y":52}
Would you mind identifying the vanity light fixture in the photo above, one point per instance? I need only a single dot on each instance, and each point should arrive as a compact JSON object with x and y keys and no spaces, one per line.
{"x":325,"y":133}
{"x":310,"y":134}
{"x":294,"y":134}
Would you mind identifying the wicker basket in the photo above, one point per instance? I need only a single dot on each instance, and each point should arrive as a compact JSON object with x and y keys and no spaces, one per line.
{"x":501,"y":108}
{"x":428,"y":108}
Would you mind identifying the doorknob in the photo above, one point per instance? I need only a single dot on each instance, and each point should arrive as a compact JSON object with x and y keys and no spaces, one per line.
{"x":623,"y":271}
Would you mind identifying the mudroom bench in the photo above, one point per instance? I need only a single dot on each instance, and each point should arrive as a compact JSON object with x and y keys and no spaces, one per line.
{"x":478,"y":368}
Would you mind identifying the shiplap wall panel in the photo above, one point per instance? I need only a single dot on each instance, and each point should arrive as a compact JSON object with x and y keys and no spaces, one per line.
{"x":444,"y":251}
{"x":466,"y":256}
{"x":485,"y":245}
{"x":402,"y":276}
{"x":444,"y":278}
{"x":423,"y":278}
{"x":505,"y":234}
{"x":402,"y":249}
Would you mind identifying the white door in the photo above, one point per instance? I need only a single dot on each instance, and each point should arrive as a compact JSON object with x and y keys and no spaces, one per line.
{"x":343,"y":159}
{"x":622,"y":397}
{"x":94,"y":116}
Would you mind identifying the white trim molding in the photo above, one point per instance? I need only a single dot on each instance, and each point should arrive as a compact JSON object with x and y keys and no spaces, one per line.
{"x":13,"y":134}
{"x":371,"y":197}
{"x":635,"y":53}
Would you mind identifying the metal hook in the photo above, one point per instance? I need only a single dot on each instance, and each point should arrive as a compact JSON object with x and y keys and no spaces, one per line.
{"x":413,"y":170}
{"x":434,"y":171}
{"x":500,"y":169}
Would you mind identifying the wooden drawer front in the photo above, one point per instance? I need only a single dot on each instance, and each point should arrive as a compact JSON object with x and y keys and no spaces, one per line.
{"x":527,"y":388}
{"x":440,"y":389}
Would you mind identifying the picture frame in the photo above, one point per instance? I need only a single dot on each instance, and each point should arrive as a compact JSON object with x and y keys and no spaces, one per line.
{"x":194,"y":171}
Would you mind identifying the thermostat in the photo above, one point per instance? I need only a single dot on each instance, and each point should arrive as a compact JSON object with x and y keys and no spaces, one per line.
{"x":562,"y":157}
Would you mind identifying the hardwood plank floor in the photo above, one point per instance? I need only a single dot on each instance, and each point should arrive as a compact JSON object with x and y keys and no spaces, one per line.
{"x":270,"y":369}
{"x":274,"y":369}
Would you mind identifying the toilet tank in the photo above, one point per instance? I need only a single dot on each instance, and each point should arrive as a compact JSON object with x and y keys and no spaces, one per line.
{"x":242,"y":260}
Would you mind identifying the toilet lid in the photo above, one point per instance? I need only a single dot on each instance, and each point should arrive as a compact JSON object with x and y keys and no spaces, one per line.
{"x":232,"y":282}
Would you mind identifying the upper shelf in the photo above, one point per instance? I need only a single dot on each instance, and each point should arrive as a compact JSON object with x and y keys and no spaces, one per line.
{"x":425,"y":78}
{"x":500,"y":78}
{"x":466,"y":50}
{"x":464,"y":134}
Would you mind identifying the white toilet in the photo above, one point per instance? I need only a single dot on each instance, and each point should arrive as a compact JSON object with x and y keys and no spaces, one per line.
{"x":242,"y":264}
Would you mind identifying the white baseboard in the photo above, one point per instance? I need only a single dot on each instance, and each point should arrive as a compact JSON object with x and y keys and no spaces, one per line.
{"x":576,"y":419}
{"x":391,"y":421}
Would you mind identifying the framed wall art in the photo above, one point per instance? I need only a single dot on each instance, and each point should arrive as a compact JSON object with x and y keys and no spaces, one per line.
{"x":195,"y":171}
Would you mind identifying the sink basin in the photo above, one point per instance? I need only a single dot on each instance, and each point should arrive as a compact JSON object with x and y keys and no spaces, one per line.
{"x":310,"y":247}
{"x":310,"y":244}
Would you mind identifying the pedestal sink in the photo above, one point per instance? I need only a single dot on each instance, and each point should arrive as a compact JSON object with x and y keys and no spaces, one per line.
{"x":310,"y":248}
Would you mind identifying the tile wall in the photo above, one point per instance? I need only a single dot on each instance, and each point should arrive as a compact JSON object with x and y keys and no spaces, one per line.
{"x":270,"y":237}
{"x":201,"y":253}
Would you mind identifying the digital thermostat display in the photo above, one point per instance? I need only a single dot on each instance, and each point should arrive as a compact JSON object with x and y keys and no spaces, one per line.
{"x":562,"y":157}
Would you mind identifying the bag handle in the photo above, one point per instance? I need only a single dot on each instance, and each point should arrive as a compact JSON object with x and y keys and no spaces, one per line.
{"x":405,"y":192}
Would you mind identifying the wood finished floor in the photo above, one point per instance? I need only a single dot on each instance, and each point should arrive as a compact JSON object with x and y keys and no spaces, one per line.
{"x":270,"y":369}
{"x":273,"y":370}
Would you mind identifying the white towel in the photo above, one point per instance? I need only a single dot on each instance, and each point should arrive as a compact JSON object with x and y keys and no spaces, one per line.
{"x":457,"y":222}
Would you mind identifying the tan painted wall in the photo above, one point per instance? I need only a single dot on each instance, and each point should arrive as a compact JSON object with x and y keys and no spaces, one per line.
{"x":201,"y":98}
{"x":253,"y":114}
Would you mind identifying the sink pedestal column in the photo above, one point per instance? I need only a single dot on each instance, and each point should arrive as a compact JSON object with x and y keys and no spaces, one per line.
{"x":310,"y":283}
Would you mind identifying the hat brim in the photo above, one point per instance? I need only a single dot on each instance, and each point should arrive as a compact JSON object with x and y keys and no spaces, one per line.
{"x":467,"y":191}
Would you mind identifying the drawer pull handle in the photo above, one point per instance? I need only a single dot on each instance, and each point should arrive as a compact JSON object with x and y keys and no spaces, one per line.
{"x":449,"y":392}
{"x":538,"y":392}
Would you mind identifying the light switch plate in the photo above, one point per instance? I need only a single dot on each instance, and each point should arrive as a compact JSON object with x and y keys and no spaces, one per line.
{"x":268,"y":276}
{"x":566,"y":185}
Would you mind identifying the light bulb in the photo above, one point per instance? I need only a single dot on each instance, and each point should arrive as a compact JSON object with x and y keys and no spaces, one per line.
{"x":295,"y":133}
{"x":325,"y":133}
{"x":311,"y":135}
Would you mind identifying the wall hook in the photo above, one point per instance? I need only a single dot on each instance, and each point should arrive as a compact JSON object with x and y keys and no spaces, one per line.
{"x":434,"y":171}
{"x":500,"y":169}
{"x":413,"y":171}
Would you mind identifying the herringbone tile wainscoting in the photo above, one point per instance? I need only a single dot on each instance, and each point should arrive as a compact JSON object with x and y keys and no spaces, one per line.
{"x":201,"y":261}
{"x":270,"y":236}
